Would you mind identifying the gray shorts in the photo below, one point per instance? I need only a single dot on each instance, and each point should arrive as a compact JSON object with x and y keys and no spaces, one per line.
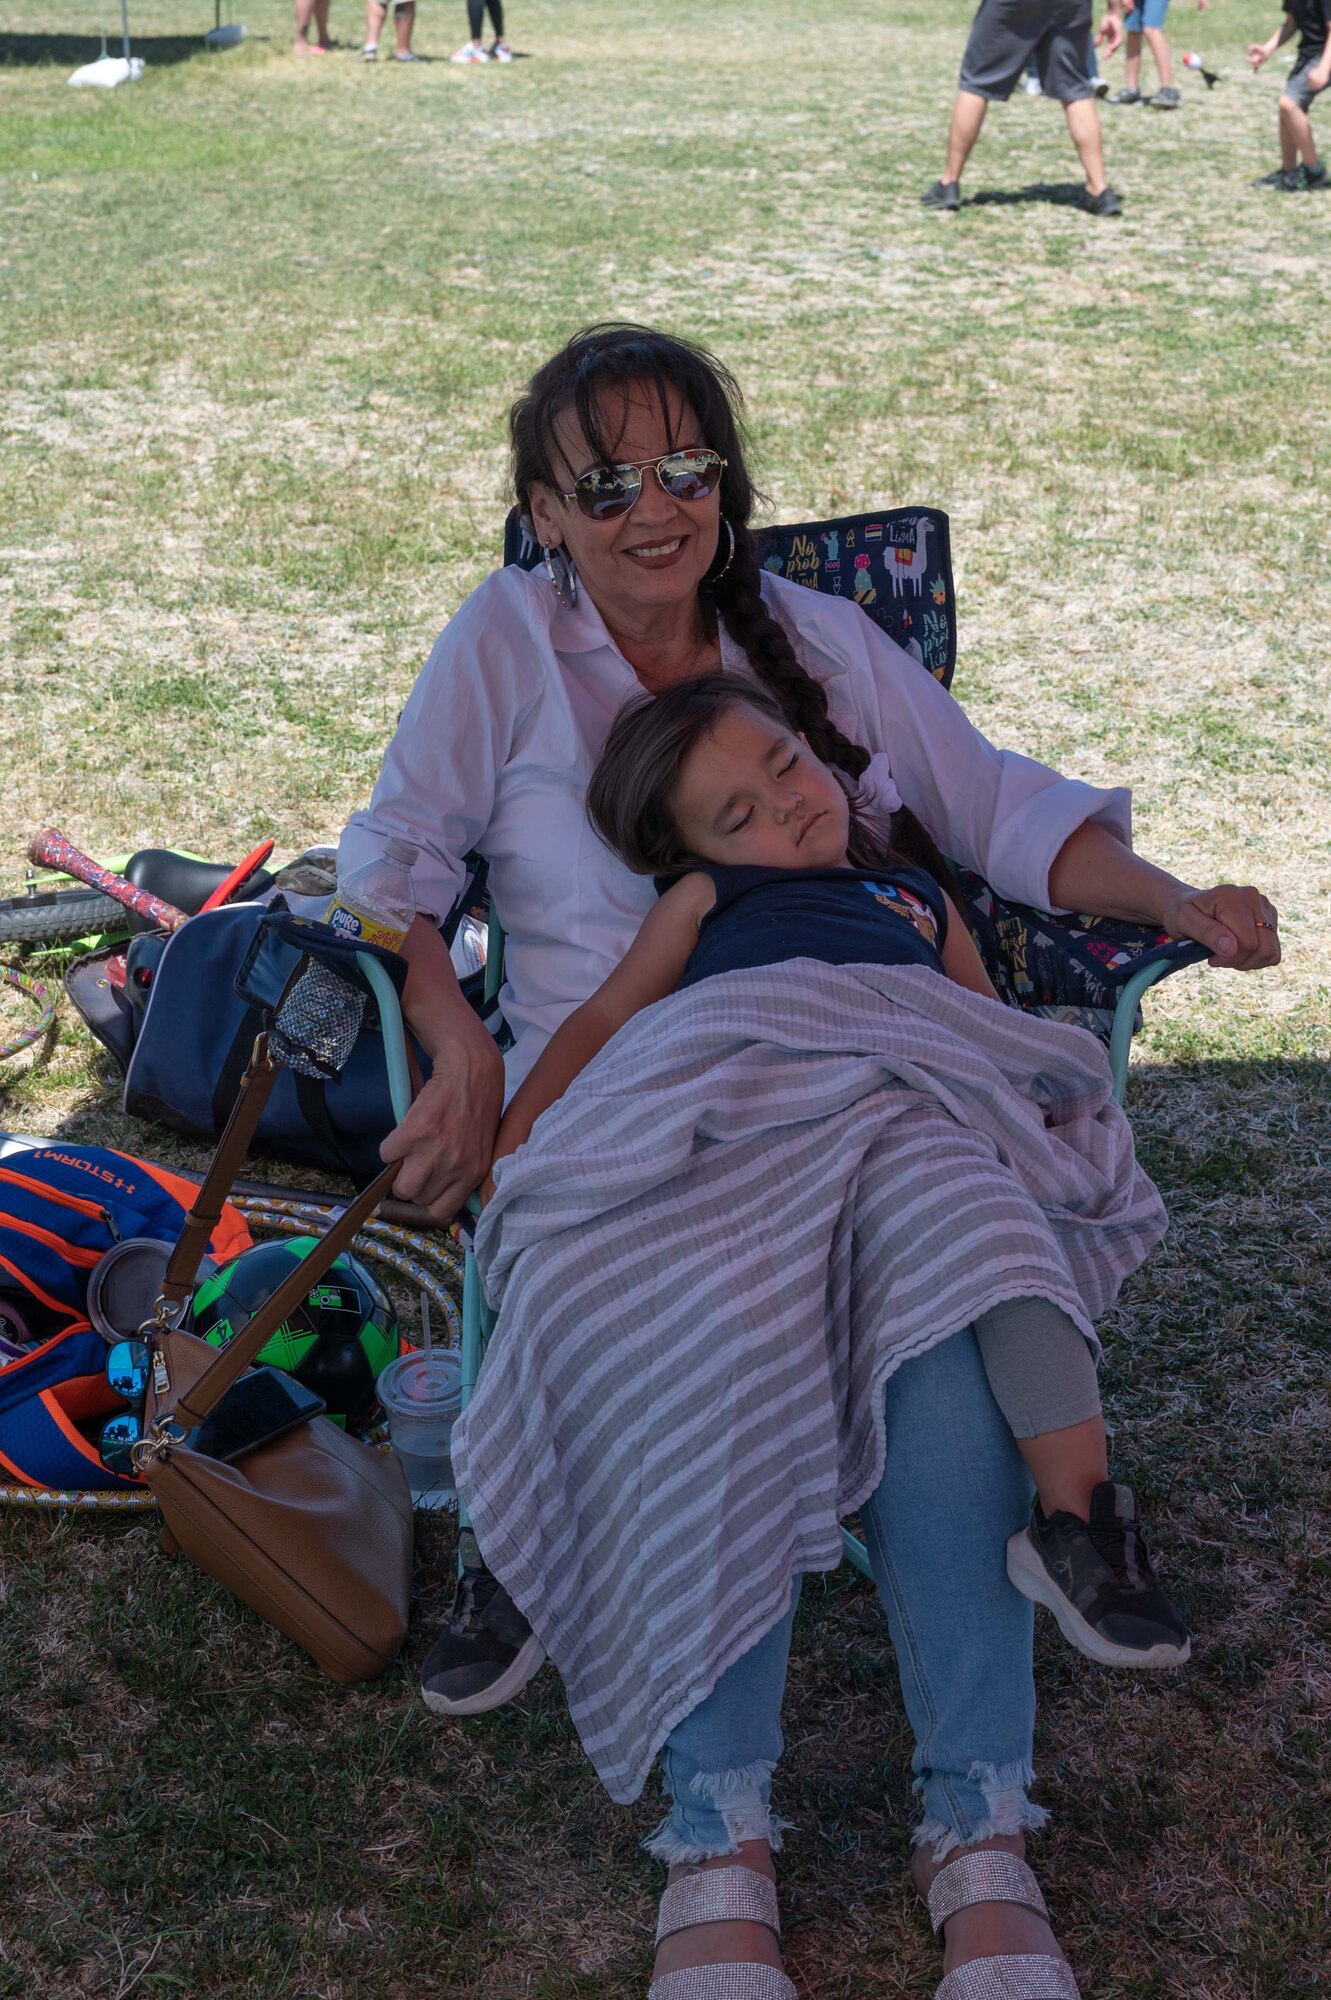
{"x":1297,"y":88}
{"x":1005,"y":34}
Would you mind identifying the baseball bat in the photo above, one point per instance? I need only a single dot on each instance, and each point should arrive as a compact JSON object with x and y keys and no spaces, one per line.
{"x":54,"y":849}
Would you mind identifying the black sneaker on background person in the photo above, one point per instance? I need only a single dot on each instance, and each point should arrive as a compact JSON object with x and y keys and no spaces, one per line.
{"x":1166,"y":98}
{"x":1104,"y":203}
{"x":1096,"y":1578}
{"x":1285,"y":180}
{"x":1125,"y":96}
{"x":487,"y":1652}
{"x":943,"y":194}
{"x":1316,"y":177}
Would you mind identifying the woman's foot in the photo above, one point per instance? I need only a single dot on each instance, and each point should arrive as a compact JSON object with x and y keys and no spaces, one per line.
{"x":986,"y":1930}
{"x":721,"y":1944}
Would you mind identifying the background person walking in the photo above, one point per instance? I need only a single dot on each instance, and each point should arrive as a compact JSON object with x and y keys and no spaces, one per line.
{"x":307,"y":11}
{"x":1147,"y":20}
{"x":404,"y":21}
{"x":475,"y":51}
{"x":1310,"y":20}
{"x":1004,"y":35}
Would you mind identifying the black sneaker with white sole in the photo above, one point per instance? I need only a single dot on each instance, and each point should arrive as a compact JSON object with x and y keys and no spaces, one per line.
{"x":1104,"y":203}
{"x":487,"y":1652}
{"x":943,"y":194}
{"x":1096,"y":1578}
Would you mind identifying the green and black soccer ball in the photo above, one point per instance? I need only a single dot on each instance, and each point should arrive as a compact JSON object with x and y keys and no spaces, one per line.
{"x":337,"y":1341}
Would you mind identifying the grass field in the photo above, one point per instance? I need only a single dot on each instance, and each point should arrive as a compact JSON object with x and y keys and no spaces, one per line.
{"x":260,"y":326}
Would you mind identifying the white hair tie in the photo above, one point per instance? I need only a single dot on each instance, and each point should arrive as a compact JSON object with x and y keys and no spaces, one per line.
{"x":879,"y":786}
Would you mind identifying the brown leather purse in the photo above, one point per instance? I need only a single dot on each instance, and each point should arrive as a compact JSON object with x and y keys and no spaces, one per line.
{"x":313,"y":1529}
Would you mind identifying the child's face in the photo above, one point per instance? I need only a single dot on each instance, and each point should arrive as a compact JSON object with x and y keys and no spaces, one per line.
{"x":752,"y":794}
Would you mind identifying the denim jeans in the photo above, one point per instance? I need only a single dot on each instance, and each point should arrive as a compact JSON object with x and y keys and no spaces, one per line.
{"x":953,"y":1489}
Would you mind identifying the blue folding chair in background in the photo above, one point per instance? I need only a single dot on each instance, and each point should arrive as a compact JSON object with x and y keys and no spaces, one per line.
{"x":897,"y":566}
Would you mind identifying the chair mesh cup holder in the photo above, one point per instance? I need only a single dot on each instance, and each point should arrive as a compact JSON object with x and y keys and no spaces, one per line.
{"x":310,"y":985}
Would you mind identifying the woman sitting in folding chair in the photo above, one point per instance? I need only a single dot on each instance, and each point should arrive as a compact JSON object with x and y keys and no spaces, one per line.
{"x":629,"y":463}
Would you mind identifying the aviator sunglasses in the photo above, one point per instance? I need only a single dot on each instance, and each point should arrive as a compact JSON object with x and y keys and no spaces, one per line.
{"x":609,"y":491}
{"x":128,"y":1368}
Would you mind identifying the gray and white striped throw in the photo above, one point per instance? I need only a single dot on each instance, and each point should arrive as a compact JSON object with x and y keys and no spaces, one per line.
{"x":763,"y":1196}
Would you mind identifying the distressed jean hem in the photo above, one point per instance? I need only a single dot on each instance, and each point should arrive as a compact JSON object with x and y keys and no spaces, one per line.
{"x":1002,"y":1808}
{"x":720,"y":1811}
{"x":672,"y":1845}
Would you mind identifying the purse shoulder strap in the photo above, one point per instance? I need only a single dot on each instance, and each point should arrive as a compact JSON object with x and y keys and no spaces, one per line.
{"x":256,"y":1087}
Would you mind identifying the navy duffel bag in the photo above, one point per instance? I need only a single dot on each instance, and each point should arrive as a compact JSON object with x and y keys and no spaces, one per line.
{"x":195,"y":1036}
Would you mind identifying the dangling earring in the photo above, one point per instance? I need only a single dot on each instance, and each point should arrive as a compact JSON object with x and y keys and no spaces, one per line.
{"x":563,"y":577}
{"x":730,"y":555}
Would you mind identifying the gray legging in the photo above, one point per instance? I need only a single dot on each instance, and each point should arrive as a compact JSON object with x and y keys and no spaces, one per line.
{"x":1039,"y":1367}
{"x":476,"y":15}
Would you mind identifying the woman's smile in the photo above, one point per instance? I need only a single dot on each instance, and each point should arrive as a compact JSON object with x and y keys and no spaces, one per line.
{"x":658,"y":554}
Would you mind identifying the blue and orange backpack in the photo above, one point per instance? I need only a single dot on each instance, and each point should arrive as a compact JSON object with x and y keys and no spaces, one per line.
{"x":61,"y":1209}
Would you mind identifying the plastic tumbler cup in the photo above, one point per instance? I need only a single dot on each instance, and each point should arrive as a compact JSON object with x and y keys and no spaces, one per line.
{"x":422,"y":1394}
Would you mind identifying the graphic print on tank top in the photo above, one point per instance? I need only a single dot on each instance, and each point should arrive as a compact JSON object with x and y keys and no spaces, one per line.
{"x":840,"y":916}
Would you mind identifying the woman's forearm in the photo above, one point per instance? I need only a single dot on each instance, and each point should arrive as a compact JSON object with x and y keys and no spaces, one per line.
{"x":1095,"y":872}
{"x":436,"y":1008}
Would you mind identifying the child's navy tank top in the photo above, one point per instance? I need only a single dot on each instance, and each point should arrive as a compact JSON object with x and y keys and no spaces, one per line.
{"x":843,"y":916}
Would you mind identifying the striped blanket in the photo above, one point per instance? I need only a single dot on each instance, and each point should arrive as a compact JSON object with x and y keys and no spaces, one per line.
{"x":764,"y":1195}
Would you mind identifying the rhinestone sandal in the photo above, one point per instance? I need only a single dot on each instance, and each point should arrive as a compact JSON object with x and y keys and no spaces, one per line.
{"x":994,"y":1876}
{"x":721,"y":1896}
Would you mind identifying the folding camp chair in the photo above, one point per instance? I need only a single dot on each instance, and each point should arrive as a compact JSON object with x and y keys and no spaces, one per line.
{"x":897,"y":566}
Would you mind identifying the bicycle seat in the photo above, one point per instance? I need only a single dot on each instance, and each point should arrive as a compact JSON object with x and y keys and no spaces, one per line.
{"x":186,"y":883}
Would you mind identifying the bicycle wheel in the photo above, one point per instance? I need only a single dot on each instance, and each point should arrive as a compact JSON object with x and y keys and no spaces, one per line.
{"x":59,"y":916}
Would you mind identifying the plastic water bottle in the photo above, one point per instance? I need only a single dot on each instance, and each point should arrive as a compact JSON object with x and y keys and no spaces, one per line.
{"x":376,"y":903}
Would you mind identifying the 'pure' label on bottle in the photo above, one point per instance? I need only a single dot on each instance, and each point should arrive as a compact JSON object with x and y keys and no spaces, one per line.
{"x":351,"y":923}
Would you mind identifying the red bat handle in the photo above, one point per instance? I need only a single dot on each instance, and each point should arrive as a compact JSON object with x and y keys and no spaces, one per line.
{"x":53,"y":849}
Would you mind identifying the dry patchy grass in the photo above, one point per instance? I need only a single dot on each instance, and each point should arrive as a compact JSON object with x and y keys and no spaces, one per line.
{"x":260,"y":329}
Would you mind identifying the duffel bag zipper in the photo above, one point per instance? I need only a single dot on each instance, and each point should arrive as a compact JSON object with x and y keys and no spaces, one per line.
{"x":77,"y":1202}
{"x":70,"y":1253}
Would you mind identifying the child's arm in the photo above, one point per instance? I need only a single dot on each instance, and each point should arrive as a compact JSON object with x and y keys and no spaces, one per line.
{"x":1259,"y":52}
{"x":961,"y":961}
{"x":650,"y":968}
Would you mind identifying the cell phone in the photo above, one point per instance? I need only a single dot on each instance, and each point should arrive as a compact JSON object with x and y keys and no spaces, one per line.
{"x":260,"y":1407}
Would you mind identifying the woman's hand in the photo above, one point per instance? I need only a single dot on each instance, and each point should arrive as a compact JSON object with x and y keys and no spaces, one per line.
{"x":1237,"y":925}
{"x":446,"y":1140}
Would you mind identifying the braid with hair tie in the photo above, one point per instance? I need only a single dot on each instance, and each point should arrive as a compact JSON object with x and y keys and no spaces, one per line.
{"x":737,"y":595}
{"x":739,"y":600}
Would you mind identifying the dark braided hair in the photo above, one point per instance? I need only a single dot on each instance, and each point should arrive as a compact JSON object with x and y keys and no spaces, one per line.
{"x":608,"y":361}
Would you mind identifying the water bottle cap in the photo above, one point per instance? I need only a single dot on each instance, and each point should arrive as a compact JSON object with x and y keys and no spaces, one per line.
{"x":401,"y":850}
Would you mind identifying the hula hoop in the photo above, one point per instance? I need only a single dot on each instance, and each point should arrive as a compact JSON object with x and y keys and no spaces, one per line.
{"x":432,"y":1266}
{"x":31,"y":989}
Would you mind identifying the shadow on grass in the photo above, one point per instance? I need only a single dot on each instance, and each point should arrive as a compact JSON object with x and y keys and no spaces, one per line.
{"x":70,"y":51}
{"x":1059,"y":194}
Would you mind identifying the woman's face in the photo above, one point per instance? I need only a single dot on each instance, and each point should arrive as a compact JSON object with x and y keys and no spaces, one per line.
{"x":653,"y":558}
{"x":751,"y":794}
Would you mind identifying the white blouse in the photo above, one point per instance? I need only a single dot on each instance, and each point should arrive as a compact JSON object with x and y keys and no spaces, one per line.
{"x":496,"y":745}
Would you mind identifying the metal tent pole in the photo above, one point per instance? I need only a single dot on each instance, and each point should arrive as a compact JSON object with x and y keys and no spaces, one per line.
{"x":124,"y":27}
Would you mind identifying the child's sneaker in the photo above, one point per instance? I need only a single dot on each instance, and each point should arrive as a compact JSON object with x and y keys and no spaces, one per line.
{"x":1165,"y":99}
{"x":1105,"y":203}
{"x":1031,"y":86}
{"x":1316,"y":177}
{"x":1099,"y":87}
{"x":1125,"y":96}
{"x":370,"y":53}
{"x":1285,"y":180}
{"x":469,"y":53}
{"x":943,"y":194}
{"x":1096,"y":1578}
{"x":500,"y":52}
